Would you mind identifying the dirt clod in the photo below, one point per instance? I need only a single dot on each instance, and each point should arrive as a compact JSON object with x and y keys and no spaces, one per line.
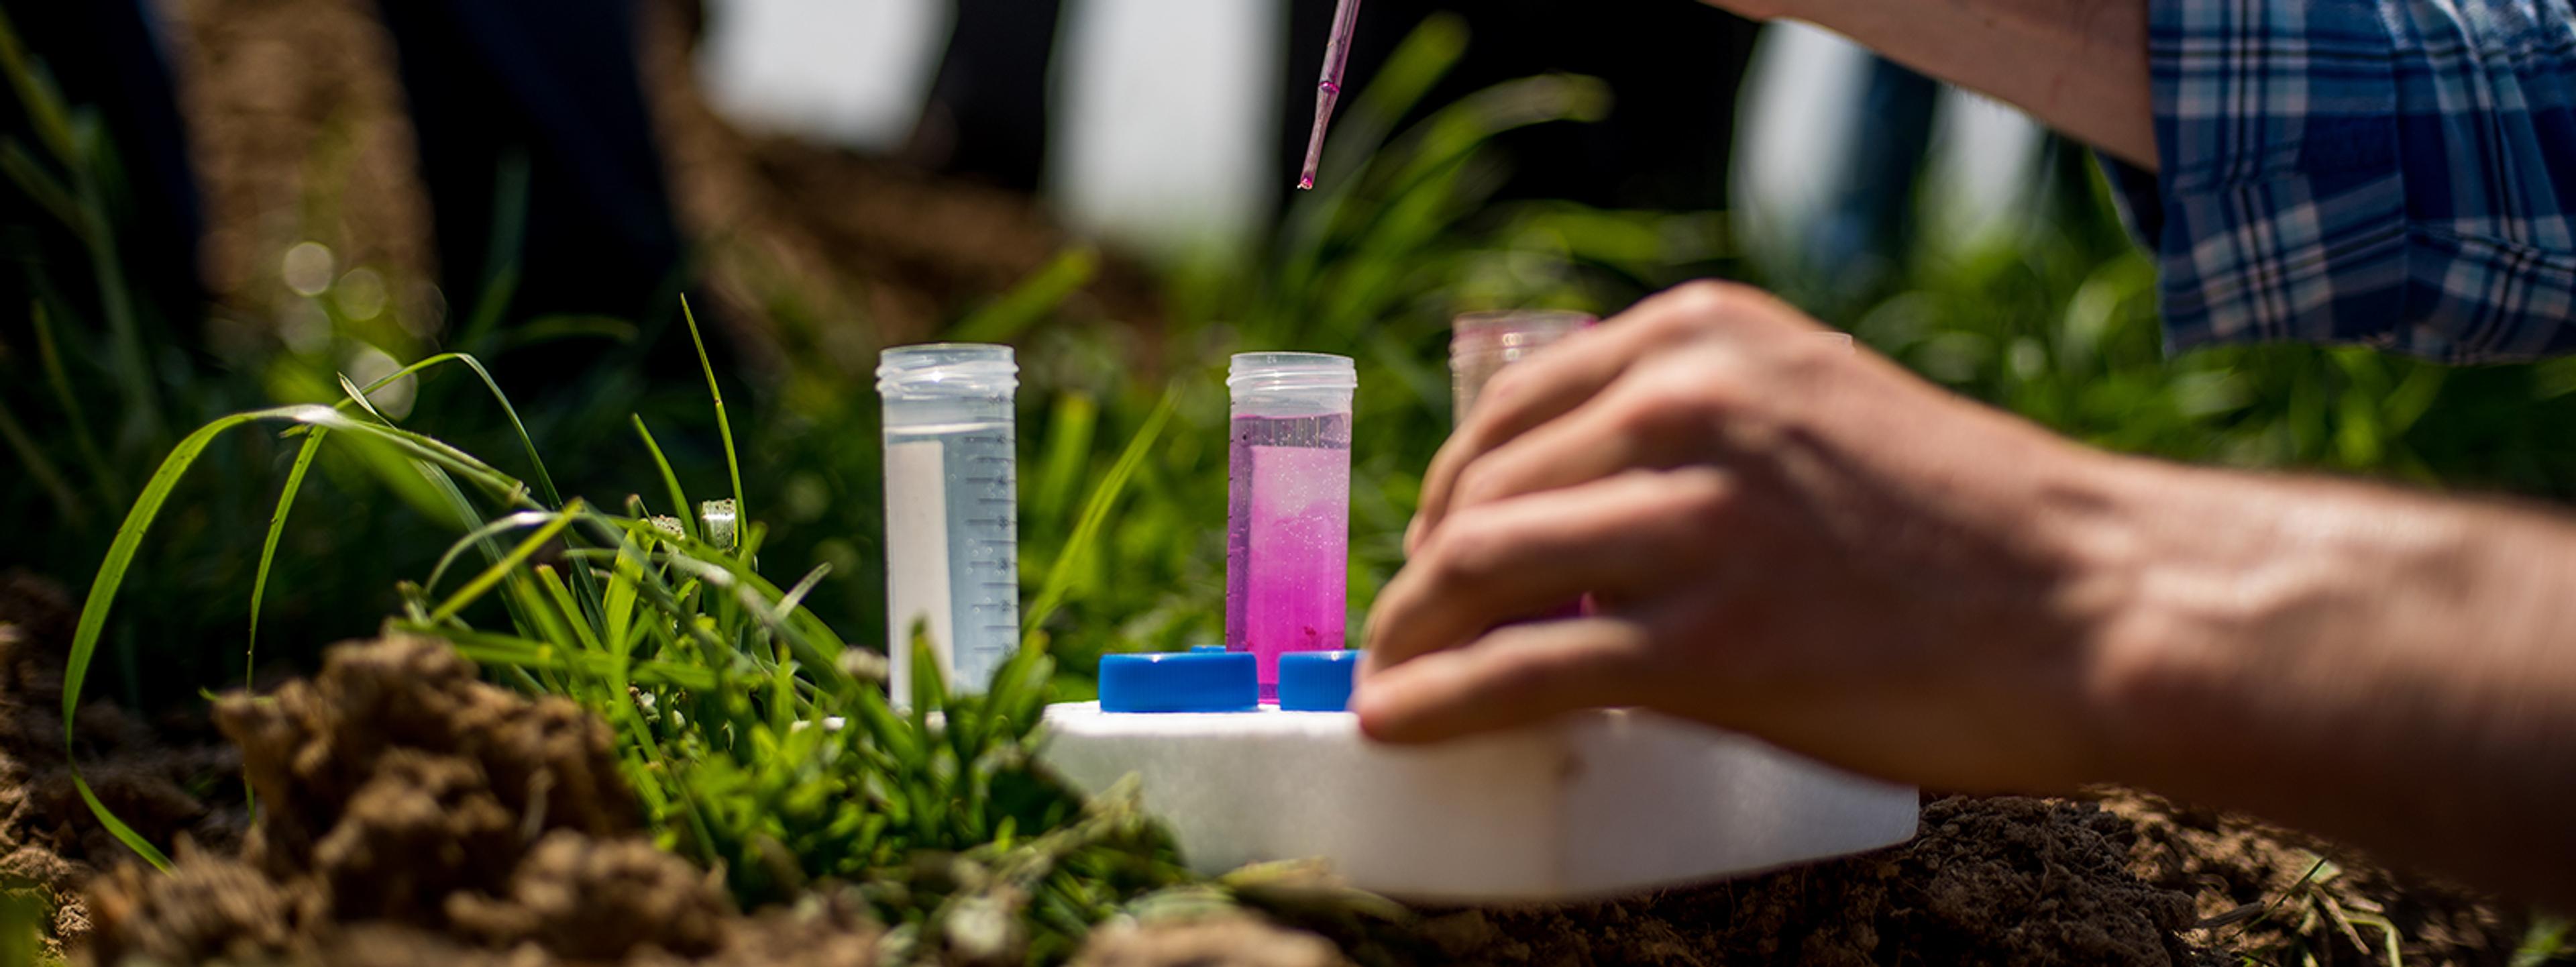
{"x":591,"y":900}
{"x":412,"y":813}
{"x":397,"y":746}
{"x":204,"y":908}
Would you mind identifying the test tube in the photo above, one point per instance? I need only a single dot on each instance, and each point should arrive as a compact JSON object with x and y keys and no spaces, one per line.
{"x":1287,"y":540}
{"x":1482,"y":343}
{"x":952,"y":509}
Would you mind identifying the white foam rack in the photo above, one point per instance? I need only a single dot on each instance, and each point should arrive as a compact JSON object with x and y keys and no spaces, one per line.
{"x":1590,"y":805}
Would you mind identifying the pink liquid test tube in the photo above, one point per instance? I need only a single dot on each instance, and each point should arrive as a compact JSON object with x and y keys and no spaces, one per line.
{"x":1287,"y":544}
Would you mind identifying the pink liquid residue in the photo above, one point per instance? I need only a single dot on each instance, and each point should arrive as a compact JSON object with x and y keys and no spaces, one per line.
{"x":1287,"y":538}
{"x":1328,"y":91}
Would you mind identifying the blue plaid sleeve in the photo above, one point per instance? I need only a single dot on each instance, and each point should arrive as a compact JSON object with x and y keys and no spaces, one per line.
{"x":2395,"y":173}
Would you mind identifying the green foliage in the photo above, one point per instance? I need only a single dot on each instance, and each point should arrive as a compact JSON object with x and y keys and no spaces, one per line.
{"x":25,"y":911}
{"x":2550,"y":940}
{"x":759,"y":742}
{"x":2057,"y":322}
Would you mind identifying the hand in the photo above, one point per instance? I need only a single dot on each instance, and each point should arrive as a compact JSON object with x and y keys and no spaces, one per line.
{"x":1780,"y":535}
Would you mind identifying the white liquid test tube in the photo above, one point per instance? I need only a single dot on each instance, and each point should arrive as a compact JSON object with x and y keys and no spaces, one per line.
{"x":952,"y":510}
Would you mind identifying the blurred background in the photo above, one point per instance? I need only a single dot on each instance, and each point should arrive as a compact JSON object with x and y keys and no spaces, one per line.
{"x":211,"y":206}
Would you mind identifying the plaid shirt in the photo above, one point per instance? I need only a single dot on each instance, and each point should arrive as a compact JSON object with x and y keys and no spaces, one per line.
{"x":2399,"y":173}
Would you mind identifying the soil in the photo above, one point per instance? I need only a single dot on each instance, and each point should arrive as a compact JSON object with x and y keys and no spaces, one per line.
{"x":2129,"y":879}
{"x":49,"y":844}
{"x":411,"y":813}
{"x":414,"y":814}
{"x":2273,"y":893}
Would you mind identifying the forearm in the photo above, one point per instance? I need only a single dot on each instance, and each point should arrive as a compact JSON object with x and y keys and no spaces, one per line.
{"x":2079,"y":66}
{"x":2394,"y":670}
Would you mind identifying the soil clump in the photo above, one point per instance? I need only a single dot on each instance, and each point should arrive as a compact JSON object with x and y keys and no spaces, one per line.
{"x":412,"y":813}
{"x":50,"y":846}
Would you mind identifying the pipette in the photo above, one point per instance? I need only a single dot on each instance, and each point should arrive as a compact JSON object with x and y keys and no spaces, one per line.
{"x":1337,"y":55}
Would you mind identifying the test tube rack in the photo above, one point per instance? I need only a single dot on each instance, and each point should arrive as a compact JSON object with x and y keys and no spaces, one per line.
{"x":1591,"y":805}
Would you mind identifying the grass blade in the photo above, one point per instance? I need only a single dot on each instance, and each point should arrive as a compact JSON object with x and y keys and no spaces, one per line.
{"x":116,"y":827}
{"x":111,"y":576}
{"x":492,"y":575}
{"x":724,"y":427}
{"x":36,"y":94}
{"x":545,"y":481}
{"x":509,"y":234}
{"x":268,"y":547}
{"x":2548,"y":938}
{"x":1095,"y":515}
{"x":86,"y":439}
{"x":513,"y":651}
{"x":41,"y":467}
{"x":796,"y":595}
{"x":259,"y":580}
{"x":39,"y":185}
{"x":1029,"y":302}
{"x":481,"y":537}
{"x":562,"y":598}
{"x":679,"y":498}
{"x":115,"y":298}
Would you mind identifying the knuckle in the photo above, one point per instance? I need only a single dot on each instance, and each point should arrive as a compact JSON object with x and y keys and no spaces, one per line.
{"x":1481,"y":482}
{"x":1671,"y":398}
{"x":1705,"y":295}
{"x":1707,"y":300}
{"x":1472,"y":549}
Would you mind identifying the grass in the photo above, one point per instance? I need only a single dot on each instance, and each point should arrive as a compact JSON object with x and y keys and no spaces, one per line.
{"x":760,"y":743}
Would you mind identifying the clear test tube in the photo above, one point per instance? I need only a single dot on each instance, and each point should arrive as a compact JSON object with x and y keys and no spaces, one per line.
{"x":1288,"y":510}
{"x":1482,"y":343}
{"x":952,"y":509}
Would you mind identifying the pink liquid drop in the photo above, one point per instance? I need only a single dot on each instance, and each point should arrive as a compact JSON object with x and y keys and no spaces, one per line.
{"x":1287,"y":538}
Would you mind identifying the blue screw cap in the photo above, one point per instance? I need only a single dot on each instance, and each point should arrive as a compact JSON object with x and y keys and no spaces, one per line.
{"x":1207,"y":678}
{"x":1316,"y":681}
